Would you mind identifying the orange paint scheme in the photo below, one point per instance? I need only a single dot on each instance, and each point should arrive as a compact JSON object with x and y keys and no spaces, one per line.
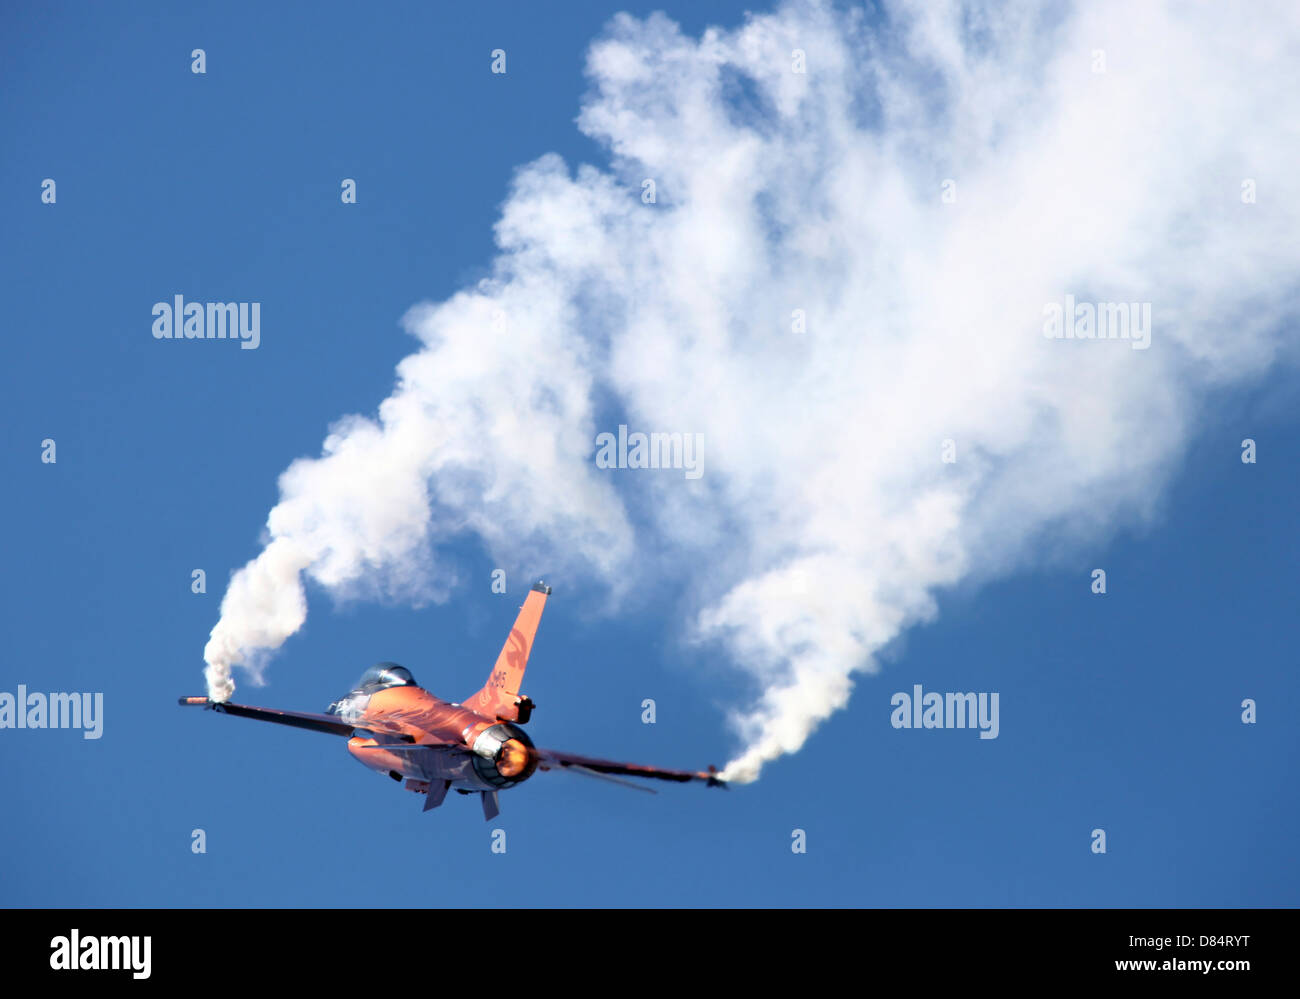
{"x":500,"y":695}
{"x":397,"y":728}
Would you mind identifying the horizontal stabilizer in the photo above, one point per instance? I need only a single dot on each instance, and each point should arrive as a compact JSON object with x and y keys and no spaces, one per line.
{"x":576,"y":768}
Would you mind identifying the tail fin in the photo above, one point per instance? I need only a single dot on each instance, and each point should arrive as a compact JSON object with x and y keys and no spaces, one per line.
{"x":499,"y":697}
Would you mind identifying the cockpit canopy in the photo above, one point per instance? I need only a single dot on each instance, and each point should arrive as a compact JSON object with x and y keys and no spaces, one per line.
{"x":383,"y":675}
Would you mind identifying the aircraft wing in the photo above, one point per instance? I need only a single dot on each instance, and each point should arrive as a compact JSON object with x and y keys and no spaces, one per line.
{"x":549,"y":758}
{"x":329,"y":724}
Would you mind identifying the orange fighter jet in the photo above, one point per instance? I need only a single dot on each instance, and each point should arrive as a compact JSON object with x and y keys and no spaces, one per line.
{"x":397,"y":728}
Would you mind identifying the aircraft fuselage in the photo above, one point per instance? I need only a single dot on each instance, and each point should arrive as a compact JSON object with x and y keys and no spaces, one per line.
{"x":447,"y":742}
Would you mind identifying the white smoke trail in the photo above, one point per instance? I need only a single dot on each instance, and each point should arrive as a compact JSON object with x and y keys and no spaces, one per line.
{"x":825,"y":520}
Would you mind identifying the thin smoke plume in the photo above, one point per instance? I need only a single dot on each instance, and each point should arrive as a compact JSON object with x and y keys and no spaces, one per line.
{"x":841,"y":270}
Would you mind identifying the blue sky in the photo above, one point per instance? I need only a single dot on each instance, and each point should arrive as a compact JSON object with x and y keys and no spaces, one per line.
{"x":1120,"y":712}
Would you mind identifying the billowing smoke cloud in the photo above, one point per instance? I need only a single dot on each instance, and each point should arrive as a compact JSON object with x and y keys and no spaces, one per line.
{"x":843,"y":278}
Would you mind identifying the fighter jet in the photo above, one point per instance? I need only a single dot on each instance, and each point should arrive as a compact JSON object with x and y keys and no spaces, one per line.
{"x":433,"y":746}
